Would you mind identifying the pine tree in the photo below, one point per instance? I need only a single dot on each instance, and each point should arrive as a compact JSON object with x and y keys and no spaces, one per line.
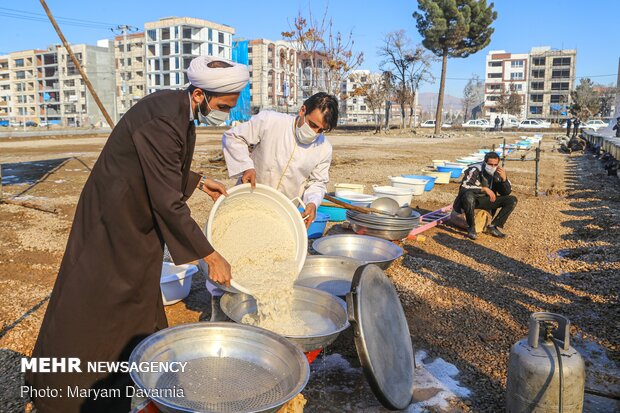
{"x":453,"y":28}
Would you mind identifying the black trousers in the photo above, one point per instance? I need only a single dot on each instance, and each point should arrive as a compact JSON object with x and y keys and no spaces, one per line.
{"x":472,"y":201}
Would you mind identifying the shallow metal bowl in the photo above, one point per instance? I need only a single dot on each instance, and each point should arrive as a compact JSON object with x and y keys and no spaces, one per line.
{"x":412,"y":221}
{"x":364,"y":248}
{"x":230,"y":368}
{"x":386,"y":233}
{"x":330,"y":274}
{"x":329,"y":307}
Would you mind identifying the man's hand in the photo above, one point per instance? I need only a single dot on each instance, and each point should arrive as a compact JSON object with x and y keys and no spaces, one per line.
{"x":309,"y":214}
{"x":490,"y":193}
{"x":249,"y":176}
{"x":213,"y":188}
{"x":502,"y":173}
{"x":219,"y":268}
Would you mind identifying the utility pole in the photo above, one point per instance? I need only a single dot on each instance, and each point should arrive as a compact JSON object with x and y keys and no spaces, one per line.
{"x":78,"y":65}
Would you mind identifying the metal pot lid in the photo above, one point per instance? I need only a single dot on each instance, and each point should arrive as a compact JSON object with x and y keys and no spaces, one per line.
{"x":381,"y":337}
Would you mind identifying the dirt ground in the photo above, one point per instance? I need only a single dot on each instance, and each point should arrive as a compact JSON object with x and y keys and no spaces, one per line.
{"x":467,"y":302}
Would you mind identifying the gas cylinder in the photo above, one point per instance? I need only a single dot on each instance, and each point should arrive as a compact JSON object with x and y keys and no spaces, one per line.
{"x":538,"y":381}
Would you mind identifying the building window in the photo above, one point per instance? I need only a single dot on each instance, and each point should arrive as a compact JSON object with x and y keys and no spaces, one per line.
{"x":220,"y":51}
{"x":250,"y":49}
{"x":538,"y":61}
{"x":560,"y":73}
{"x":152,"y":34}
{"x":492,"y":98}
{"x":19,"y":62}
{"x":538,"y":74}
{"x":557,"y":98}
{"x":516,"y":63}
{"x":537,"y":98}
{"x":559,"y":86}
{"x":362,"y":107}
{"x":496,"y":86}
{"x":538,"y":85}
{"x":220,"y":38}
{"x":516,"y":75}
{"x":518,"y":88}
{"x":210,"y":52}
{"x":495,"y":64}
{"x":210,"y":35}
{"x":536,"y":110}
{"x":561,"y":61}
{"x":494,"y":75}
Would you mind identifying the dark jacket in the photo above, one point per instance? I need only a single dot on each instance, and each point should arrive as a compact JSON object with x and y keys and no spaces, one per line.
{"x":617,"y":129}
{"x":107,"y":296}
{"x":475,"y":178}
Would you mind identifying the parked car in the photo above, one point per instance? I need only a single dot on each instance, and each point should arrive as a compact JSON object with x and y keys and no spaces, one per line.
{"x":431,"y":124}
{"x":477,"y":124}
{"x":594,"y":124}
{"x":44,"y":124}
{"x":31,"y":123}
{"x":534,"y":124}
{"x":4,"y":123}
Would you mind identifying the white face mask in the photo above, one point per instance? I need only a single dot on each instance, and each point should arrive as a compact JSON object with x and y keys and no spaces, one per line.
{"x":213,"y":118}
{"x":304,"y":134}
{"x":490,"y":169}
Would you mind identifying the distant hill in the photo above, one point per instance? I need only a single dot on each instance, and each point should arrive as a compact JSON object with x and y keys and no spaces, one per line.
{"x":428,"y":101}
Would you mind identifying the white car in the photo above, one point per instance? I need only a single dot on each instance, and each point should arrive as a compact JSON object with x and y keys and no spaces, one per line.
{"x":477,"y":124}
{"x":431,"y":124}
{"x":534,"y":124}
{"x":594,"y":124}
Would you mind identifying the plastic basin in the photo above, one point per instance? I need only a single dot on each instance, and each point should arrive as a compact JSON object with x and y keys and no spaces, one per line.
{"x":430,"y":180}
{"x":176,"y":281}
{"x":454,"y":172}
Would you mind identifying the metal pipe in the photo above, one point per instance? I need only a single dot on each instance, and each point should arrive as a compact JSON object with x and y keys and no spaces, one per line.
{"x":537,"y":159}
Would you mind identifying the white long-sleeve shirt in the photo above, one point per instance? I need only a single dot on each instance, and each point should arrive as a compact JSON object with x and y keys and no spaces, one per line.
{"x":272,"y":135}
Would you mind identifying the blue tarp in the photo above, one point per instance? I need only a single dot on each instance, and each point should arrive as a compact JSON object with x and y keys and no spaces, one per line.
{"x":241,"y":112}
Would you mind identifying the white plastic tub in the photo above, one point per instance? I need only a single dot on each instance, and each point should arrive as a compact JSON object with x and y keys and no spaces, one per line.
{"x":416,"y":185}
{"x":400,"y":195}
{"x":176,"y":281}
{"x":439,"y":162}
{"x":359,"y":188}
{"x":355,"y":198}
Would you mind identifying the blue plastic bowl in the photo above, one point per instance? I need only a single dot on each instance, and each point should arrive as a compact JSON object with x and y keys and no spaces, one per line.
{"x":317,"y":228}
{"x":430,"y":180}
{"x":454,"y":172}
{"x":335,"y":214}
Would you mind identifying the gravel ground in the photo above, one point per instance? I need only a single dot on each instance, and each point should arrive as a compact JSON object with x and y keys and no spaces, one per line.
{"x":467,"y":302}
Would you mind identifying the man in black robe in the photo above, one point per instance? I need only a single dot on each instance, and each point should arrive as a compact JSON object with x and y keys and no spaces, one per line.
{"x":107,"y":297}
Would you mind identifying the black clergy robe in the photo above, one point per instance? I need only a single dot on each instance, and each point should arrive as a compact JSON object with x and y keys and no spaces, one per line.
{"x":107,"y":296}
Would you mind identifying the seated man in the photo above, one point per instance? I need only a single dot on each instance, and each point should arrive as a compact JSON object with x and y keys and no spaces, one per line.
{"x":485,"y":186}
{"x":290,"y":153}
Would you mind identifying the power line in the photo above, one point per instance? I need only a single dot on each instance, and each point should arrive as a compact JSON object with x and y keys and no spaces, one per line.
{"x":66,"y":22}
{"x":58,"y":18}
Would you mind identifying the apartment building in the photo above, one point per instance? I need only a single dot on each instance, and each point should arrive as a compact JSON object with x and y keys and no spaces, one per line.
{"x":129,"y":62}
{"x":45,"y":85}
{"x":552,"y":78}
{"x":543,"y":78}
{"x":504,"y":73}
{"x":354,"y":109}
{"x":274,"y":75}
{"x":171,"y":44}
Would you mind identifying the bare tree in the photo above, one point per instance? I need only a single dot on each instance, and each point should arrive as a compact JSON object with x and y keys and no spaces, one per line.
{"x":329,"y":54}
{"x":409,"y":67}
{"x":472,"y":95}
{"x":374,"y":91}
{"x":585,"y":100}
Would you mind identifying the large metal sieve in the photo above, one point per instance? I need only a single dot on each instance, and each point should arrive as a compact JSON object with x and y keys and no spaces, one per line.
{"x":230,"y":368}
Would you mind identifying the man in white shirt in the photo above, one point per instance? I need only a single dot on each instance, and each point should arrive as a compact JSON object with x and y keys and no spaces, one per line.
{"x":289,"y":153}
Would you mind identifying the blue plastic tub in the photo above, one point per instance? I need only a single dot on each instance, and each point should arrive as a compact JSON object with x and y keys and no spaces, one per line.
{"x":335,"y":214}
{"x":317,"y":228}
{"x":430,"y":180}
{"x":454,"y":172}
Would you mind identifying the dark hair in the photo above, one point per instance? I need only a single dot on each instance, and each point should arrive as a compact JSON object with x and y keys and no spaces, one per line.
{"x":327,"y":105}
{"x":491,"y":155}
{"x":208,"y":94}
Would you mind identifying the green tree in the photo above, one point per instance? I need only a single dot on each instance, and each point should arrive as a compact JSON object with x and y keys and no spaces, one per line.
{"x":586,"y":101}
{"x":453,"y":28}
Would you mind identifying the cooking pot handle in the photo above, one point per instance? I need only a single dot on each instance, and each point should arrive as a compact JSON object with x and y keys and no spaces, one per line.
{"x":298,"y":202}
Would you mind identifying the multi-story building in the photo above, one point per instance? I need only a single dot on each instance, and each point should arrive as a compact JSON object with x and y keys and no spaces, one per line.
{"x":354,"y":108}
{"x":543,"y":78}
{"x":129,"y":55}
{"x":5,"y":88}
{"x":171,"y":44}
{"x":45,"y":85}
{"x":505,"y":73}
{"x":552,"y":78}
{"x":273,"y":75}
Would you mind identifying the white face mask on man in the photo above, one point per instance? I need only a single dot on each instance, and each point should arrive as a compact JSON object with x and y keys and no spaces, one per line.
{"x":305,"y":134}
{"x":213,"y":118}
{"x":490,"y":169}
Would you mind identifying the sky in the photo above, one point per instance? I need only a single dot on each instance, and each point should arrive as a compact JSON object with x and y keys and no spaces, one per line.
{"x":520,"y":25}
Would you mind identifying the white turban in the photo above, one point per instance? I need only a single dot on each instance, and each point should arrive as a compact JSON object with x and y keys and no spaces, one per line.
{"x":217,"y":79}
